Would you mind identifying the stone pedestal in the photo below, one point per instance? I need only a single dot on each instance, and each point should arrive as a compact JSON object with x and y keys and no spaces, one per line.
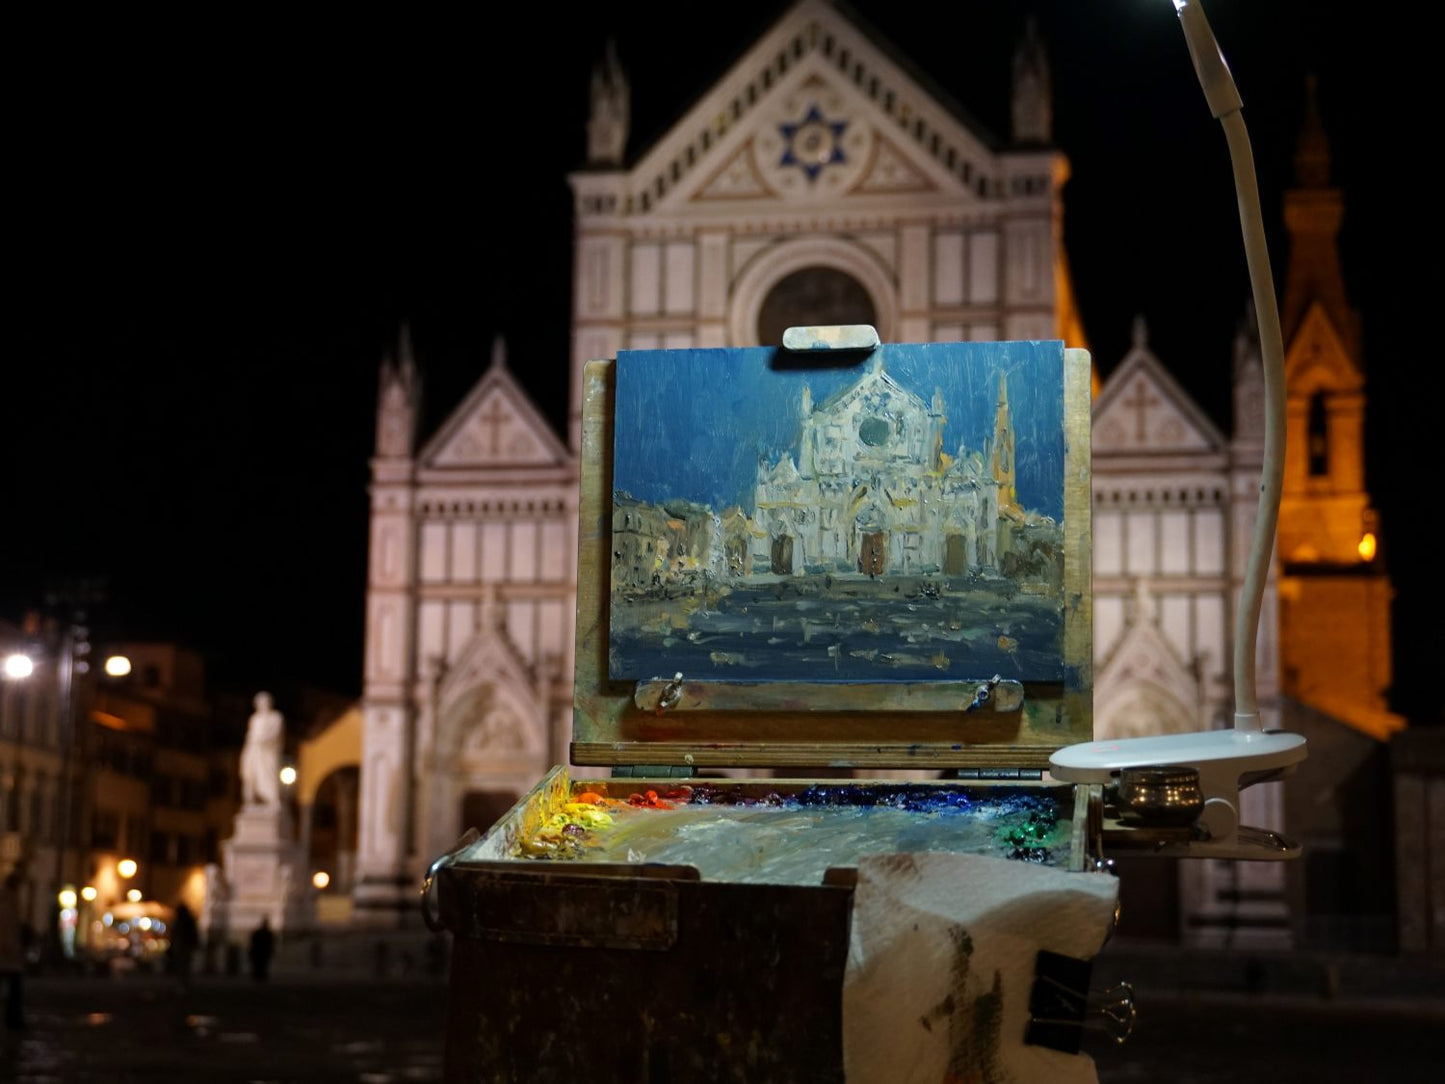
{"x":265,"y":876}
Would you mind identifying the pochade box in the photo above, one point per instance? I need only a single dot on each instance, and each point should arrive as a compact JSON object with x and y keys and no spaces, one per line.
{"x":861,"y":568}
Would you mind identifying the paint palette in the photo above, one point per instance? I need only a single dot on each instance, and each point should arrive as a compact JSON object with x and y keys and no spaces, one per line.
{"x":782,"y":832}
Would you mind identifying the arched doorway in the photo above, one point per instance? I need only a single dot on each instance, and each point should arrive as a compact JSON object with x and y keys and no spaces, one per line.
{"x":335,"y":815}
{"x":813,"y":295}
{"x":817,"y":280}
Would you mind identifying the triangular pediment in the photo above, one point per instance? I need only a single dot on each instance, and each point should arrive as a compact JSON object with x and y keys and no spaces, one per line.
{"x":1316,"y":359}
{"x":1142,"y":409}
{"x":815,"y":112}
{"x":1144,"y":687}
{"x":487,"y":700}
{"x":495,"y":426}
{"x":875,"y":381}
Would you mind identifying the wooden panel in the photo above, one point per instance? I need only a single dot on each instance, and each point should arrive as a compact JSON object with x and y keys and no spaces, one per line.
{"x":608,"y":727}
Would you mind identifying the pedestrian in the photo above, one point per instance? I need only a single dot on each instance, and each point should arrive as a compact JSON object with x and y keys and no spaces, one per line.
{"x":263,"y":945}
{"x":185,"y":939}
{"x":12,"y":952}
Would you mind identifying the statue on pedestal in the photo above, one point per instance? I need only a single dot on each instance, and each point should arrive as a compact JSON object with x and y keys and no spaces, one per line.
{"x":261,"y":755}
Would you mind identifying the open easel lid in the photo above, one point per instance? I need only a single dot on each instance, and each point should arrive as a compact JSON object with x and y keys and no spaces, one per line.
{"x":843,"y":555}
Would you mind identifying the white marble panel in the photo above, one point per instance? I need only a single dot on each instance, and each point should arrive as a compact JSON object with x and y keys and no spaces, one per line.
{"x":913,"y":269}
{"x":594,"y":296}
{"x":982,"y":267}
{"x":1108,"y":625}
{"x":523,"y":566}
{"x":1174,"y":541}
{"x":645,"y":297}
{"x":552,"y":630}
{"x":712,"y":275}
{"x":431,"y":631}
{"x":1108,"y":543}
{"x":678,"y":292}
{"x":494,"y":552}
{"x":461,"y":623}
{"x":1208,"y":542}
{"x":433,"y":552}
{"x":556,"y":553}
{"x":1209,"y":636}
{"x":948,"y":269}
{"x":522,"y":627}
{"x":388,"y":647}
{"x":464,"y":553}
{"x":1174,"y":624}
{"x":1139,"y":543}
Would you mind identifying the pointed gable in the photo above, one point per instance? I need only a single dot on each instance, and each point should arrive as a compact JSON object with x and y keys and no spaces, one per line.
{"x":495,"y":426}
{"x":1317,"y":360}
{"x":1144,"y":687}
{"x":1142,"y":410}
{"x":814,"y":111}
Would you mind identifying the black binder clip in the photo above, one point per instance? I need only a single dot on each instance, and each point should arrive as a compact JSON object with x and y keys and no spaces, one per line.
{"x":1060,"y":1007}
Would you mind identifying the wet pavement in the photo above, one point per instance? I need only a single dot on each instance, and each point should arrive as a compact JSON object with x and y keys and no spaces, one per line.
{"x":143,"y":1028}
{"x":315,"y":1028}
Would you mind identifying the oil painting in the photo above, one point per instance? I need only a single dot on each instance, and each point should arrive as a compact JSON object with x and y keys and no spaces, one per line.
{"x":894,"y":519}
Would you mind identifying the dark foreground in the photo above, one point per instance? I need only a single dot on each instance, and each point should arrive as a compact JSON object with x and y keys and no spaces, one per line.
{"x":138,"y":1029}
{"x":376,"y":1032}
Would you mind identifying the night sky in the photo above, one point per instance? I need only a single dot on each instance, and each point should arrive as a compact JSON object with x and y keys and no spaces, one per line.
{"x":217,"y":223}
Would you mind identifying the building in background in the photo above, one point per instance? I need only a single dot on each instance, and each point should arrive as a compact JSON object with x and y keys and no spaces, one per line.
{"x":127,"y":791}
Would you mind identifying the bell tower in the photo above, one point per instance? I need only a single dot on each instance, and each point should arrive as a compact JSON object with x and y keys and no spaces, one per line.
{"x":1334,"y":592}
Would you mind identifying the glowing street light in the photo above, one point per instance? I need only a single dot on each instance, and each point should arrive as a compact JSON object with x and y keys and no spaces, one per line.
{"x":88,"y":893}
{"x":19,"y":666}
{"x":320,"y":879}
{"x":117,"y":666}
{"x":133,"y":895}
{"x":66,"y":897}
{"x":288,"y":776}
{"x":126,"y":867}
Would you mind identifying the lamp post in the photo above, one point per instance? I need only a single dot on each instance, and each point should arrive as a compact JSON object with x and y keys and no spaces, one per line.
{"x":1226,"y":760}
{"x":71,"y":660}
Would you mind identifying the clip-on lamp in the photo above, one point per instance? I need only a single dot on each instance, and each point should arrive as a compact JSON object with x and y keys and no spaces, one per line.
{"x":1226,"y":760}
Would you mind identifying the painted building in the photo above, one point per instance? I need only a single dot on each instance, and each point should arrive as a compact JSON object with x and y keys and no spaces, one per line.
{"x":873,"y":491}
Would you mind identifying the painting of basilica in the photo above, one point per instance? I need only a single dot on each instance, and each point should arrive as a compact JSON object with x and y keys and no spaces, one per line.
{"x":894,"y":520}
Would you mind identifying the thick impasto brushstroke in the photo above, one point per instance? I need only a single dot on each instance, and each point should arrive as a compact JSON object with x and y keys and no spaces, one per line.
{"x":894,"y":519}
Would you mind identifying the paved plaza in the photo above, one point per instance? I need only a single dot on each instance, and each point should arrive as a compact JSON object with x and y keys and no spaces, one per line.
{"x":369,"y":1030}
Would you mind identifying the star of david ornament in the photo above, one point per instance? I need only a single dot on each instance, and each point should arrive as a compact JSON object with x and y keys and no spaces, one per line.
{"x":813,"y":142}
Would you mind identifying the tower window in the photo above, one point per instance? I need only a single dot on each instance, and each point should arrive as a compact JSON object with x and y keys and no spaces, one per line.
{"x":1319,"y":437}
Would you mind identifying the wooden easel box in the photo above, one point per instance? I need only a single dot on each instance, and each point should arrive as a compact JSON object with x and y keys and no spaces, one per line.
{"x":642,"y":971}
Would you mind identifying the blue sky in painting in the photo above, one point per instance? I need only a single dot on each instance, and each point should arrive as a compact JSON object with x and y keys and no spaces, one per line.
{"x":693,"y":424}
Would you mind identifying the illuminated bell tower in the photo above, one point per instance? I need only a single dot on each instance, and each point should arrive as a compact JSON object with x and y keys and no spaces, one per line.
{"x":1334,"y":592}
{"x":1002,"y":448}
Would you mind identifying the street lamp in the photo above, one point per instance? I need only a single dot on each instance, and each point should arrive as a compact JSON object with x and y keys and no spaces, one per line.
{"x":19,"y":666}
